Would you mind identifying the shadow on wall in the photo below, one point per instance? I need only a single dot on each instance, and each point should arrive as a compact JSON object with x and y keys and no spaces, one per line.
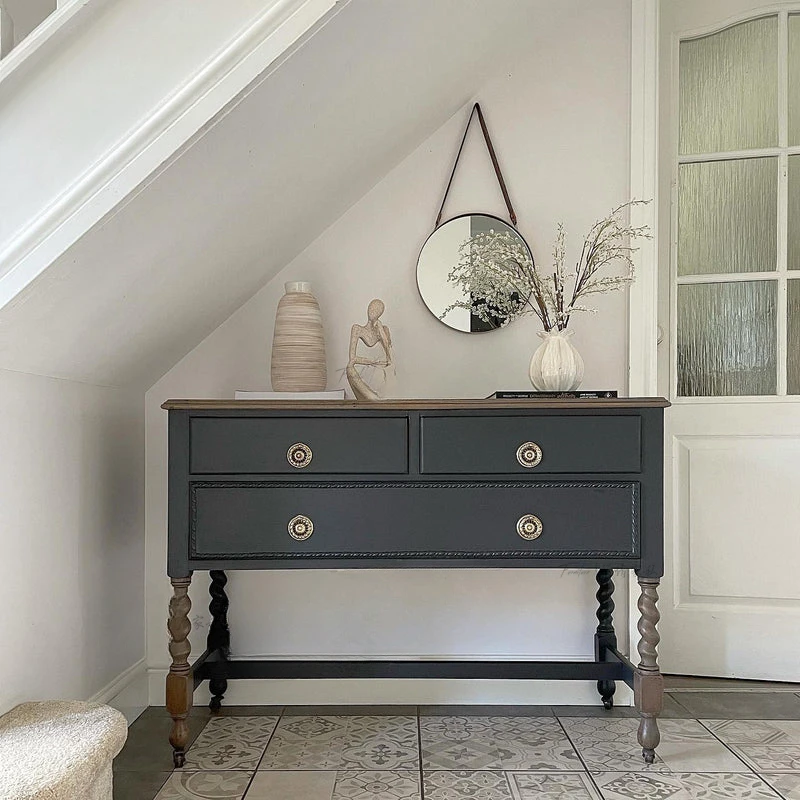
{"x":18,"y":18}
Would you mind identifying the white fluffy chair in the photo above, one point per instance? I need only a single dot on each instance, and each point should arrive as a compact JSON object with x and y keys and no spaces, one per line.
{"x":59,"y":751}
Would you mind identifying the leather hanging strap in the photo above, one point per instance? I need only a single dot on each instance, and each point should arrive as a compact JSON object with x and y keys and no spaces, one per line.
{"x":495,"y":164}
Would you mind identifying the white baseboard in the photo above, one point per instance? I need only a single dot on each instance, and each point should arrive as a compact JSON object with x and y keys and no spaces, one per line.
{"x":128,"y":692}
{"x":397,"y":691}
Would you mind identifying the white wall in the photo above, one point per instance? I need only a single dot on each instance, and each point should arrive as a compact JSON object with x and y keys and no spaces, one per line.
{"x":71,"y":521}
{"x":560,"y":125}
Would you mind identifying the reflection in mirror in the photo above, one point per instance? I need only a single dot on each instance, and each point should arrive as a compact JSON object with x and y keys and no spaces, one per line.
{"x":440,"y":255}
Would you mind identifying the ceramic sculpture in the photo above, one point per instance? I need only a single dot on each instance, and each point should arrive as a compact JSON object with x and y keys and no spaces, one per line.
{"x":372,"y":334}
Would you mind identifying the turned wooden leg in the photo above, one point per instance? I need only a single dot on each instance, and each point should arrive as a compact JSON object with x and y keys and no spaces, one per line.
{"x":179,"y":680}
{"x":219,"y":638}
{"x":648,"y":684}
{"x":605,"y":636}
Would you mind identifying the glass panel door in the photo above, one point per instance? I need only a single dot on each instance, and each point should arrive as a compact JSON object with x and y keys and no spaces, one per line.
{"x":729,"y":89}
{"x":736,"y":263}
{"x":728,"y":216}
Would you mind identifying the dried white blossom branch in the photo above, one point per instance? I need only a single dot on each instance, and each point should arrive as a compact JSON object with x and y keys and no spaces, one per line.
{"x":501,"y":282}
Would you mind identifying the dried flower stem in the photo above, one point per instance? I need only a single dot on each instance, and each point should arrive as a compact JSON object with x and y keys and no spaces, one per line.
{"x":501,"y":282}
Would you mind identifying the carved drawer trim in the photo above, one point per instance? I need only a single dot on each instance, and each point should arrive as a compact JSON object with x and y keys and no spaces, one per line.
{"x":432,"y":554}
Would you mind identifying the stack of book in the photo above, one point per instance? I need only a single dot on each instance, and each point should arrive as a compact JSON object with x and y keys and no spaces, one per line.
{"x":331,"y":394}
{"x":526,"y":395}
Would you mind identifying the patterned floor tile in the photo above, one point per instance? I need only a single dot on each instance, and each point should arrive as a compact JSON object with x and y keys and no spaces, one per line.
{"x":551,"y":786}
{"x":503,"y":743}
{"x":382,"y":752}
{"x":377,"y":785}
{"x":786,"y":784}
{"x":736,"y":731}
{"x":306,"y":743}
{"x":486,"y":711}
{"x":268,"y":785}
{"x":318,"y":728}
{"x":469,"y":754}
{"x":348,"y":711}
{"x":381,"y":743}
{"x":480,"y":785}
{"x":231,"y":743}
{"x":339,"y":742}
{"x":683,"y":786}
{"x":206,"y":785}
{"x":769,"y":757}
{"x":686,"y":746}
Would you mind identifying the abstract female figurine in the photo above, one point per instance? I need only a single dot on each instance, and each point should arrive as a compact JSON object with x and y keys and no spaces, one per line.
{"x":374,"y":332}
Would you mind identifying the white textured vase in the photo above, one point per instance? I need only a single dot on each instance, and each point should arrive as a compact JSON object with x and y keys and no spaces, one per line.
{"x":556,"y":365}
{"x":298,"y":344}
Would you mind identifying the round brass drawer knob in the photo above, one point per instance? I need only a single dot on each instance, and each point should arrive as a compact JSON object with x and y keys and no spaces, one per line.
{"x":300,"y":527}
{"x":529,"y":454}
{"x":529,"y":527}
{"x":299,"y":455}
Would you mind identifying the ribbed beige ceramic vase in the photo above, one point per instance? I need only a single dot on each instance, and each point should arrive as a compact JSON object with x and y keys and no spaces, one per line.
{"x":298,"y":345}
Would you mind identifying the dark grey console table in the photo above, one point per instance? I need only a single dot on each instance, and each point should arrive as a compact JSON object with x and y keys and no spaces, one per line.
{"x":418,"y":483}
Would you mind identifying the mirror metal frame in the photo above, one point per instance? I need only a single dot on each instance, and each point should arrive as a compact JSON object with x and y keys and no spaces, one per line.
{"x":430,"y":236}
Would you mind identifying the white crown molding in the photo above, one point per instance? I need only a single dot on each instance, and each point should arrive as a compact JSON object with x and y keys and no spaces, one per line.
{"x":154,"y":144}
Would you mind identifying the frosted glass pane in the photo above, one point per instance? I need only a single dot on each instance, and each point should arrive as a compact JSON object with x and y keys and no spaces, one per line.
{"x":726,"y":339}
{"x":729,"y":89}
{"x":794,"y":212}
{"x":794,"y":79}
{"x":727,"y":216}
{"x":793,"y":343}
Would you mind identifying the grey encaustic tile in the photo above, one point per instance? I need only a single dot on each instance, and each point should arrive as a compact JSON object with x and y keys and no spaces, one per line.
{"x":751,"y":731}
{"x":683,"y":786}
{"x":486,"y":711}
{"x":551,"y":786}
{"x":769,"y":757}
{"x":339,"y":742}
{"x":502,"y":743}
{"x":686,"y":746}
{"x":299,"y":784}
{"x":235,"y":743}
{"x":205,"y":785}
{"x":349,"y":711}
{"x":450,"y":785}
{"x":787,"y":784}
{"x":377,"y":785}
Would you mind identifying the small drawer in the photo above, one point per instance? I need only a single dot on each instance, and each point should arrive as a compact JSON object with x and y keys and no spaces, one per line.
{"x":530,"y":444}
{"x":482,"y":521}
{"x":292,"y":445}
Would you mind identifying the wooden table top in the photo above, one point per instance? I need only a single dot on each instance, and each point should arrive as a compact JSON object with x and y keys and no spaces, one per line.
{"x":415,"y":405}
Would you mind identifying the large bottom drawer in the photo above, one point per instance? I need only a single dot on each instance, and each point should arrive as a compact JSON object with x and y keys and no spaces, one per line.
{"x":263,"y":520}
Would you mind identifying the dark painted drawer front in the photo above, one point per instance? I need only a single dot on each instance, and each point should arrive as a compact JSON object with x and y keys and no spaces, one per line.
{"x":413,"y":520}
{"x":259,"y":445}
{"x":488,"y":444}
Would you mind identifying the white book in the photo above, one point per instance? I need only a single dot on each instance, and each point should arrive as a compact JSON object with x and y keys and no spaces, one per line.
{"x":331,"y":394}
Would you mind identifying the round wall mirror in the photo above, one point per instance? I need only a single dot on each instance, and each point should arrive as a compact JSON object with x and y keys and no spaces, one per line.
{"x":440,"y":255}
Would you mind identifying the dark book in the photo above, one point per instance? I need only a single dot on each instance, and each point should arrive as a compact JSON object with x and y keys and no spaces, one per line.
{"x":525,"y":395}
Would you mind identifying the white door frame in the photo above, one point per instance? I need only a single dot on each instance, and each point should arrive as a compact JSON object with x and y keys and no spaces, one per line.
{"x":643,"y":297}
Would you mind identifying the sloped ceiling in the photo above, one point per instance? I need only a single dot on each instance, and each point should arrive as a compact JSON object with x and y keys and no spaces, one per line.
{"x":171,"y":263}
